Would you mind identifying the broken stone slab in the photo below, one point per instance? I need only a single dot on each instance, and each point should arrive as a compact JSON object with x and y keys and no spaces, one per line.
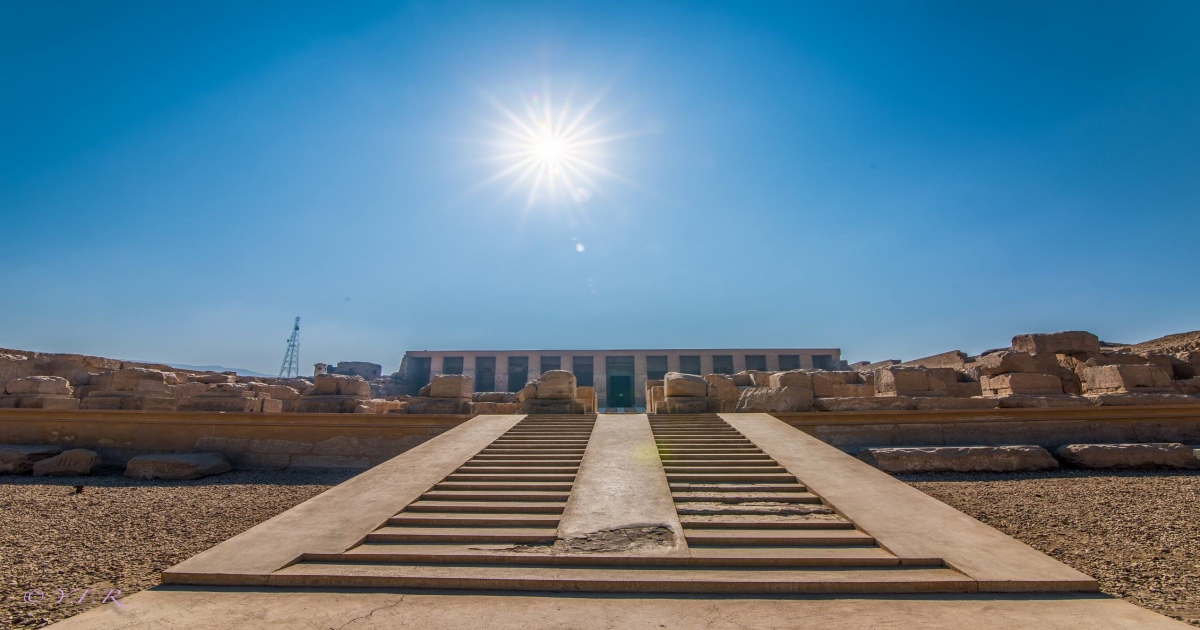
{"x":33,"y":385}
{"x":1005,"y":362}
{"x":451,"y":386}
{"x":38,"y":401}
{"x":327,"y":404}
{"x":340,"y":385}
{"x":1021,"y":383}
{"x":1119,"y":378}
{"x":438,"y":406}
{"x":177,"y":466}
{"x":791,"y":378}
{"x":758,"y":378}
{"x":679,"y":385}
{"x":723,"y":387}
{"x":865,"y":403}
{"x":1024,"y":401}
{"x":16,"y":459}
{"x":128,"y":401}
{"x":493,"y":408}
{"x":77,"y":461}
{"x":1068,"y":342}
{"x":841,"y":384}
{"x":1113,"y":400}
{"x":959,"y":459}
{"x":688,"y":405}
{"x":907,"y":381}
{"x":1152,"y":455}
{"x":555,"y":385}
{"x":770,"y":399}
{"x":223,"y":404}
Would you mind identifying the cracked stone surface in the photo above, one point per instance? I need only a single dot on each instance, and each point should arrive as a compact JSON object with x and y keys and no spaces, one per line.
{"x":624,"y":540}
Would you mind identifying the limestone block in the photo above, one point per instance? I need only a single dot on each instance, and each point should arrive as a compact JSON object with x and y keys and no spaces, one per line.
{"x":841,"y":384}
{"x":905,"y":381}
{"x":228,"y":390}
{"x":722,"y":386}
{"x":555,"y":384}
{"x":678,"y":385}
{"x":551,"y":406}
{"x":1108,"y":379}
{"x":14,"y":366}
{"x":187,"y":390}
{"x":529,"y":392}
{"x":235,"y":404}
{"x":495,"y":397}
{"x":493,"y":408}
{"x":128,"y":401}
{"x":587,"y":396}
{"x":272,"y":405}
{"x":279,"y":392}
{"x":683,"y":405}
{"x":401,"y":408}
{"x":933,"y":403}
{"x":143,"y":380}
{"x":1114,"y":400}
{"x":959,"y":459}
{"x":1069,"y":342}
{"x":1154,"y":455}
{"x":760,"y":379}
{"x":1026,"y":401}
{"x":326,"y":404}
{"x":38,"y":385}
{"x":450,"y":386}
{"x":770,"y":399}
{"x":76,"y":461}
{"x":16,"y":459}
{"x":39,"y":401}
{"x":224,"y":377}
{"x":438,"y":406}
{"x":793,"y":378}
{"x":1191,"y":386}
{"x":657,"y":395}
{"x":177,"y":466}
{"x":327,"y":385}
{"x":424,"y":391}
{"x":743,"y":379}
{"x":954,"y":359}
{"x":1021,"y":383}
{"x":865,"y":403}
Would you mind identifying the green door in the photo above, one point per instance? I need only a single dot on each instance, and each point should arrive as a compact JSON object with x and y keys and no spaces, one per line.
{"x":620,"y":391}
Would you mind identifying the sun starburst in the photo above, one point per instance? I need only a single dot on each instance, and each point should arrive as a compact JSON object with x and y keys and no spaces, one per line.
{"x":557,"y":153}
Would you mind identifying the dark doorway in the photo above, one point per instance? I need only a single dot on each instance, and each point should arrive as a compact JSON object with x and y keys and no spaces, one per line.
{"x":620,"y":391}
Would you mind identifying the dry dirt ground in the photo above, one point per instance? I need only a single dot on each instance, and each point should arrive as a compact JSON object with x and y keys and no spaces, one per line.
{"x":120,"y":533}
{"x":1137,"y":532}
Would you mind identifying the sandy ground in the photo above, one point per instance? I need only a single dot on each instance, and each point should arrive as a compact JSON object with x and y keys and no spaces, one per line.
{"x":1138,"y":533}
{"x":121,"y":533}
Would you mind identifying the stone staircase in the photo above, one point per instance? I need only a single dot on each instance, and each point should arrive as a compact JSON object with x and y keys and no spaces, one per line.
{"x":750,"y":526}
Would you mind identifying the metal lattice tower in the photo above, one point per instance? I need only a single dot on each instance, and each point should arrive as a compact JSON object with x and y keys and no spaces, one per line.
{"x":291,"y":360}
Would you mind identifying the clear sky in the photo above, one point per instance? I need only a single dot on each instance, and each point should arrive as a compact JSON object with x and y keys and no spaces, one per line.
{"x":178,"y":180}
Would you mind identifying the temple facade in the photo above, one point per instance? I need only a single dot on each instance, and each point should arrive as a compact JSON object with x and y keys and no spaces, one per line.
{"x":619,"y":376}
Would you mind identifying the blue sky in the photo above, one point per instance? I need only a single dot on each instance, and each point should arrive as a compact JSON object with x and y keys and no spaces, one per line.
{"x":179,"y":180}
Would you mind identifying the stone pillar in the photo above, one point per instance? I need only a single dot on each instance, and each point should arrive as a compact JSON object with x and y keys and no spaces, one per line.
{"x":435,"y":365}
{"x":469,"y":366}
{"x":806,"y":361}
{"x":673,"y":362}
{"x":706,"y":367}
{"x":773,"y":362}
{"x":639,"y":379}
{"x":739,"y":362}
{"x":600,"y":379}
{"x":501,"y":372}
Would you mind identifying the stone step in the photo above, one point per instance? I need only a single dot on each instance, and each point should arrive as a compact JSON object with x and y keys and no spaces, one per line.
{"x":527,"y":458}
{"x":455,"y":519}
{"x":739,"y":537}
{"x":504,"y":450}
{"x":764,"y":580}
{"x":762,"y":521}
{"x":746,"y":497}
{"x":486,"y":507}
{"x":509,"y":477}
{"x":721,"y":457}
{"x":737,"y":487}
{"x":497,"y":495}
{"x":392,"y":533}
{"x":503,"y":485}
{"x":728,"y":477}
{"x":740,"y":450}
{"x":547,"y":469}
{"x":700,"y":556}
{"x":675,"y":469}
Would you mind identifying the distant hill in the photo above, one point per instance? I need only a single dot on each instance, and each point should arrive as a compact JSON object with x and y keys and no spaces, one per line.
{"x":1180,"y":342}
{"x":210,"y":368}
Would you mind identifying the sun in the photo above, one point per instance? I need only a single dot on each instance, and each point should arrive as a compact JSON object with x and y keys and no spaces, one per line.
{"x":556,"y":152}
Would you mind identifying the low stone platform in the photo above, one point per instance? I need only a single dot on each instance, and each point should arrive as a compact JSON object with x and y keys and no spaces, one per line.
{"x":640,"y":512}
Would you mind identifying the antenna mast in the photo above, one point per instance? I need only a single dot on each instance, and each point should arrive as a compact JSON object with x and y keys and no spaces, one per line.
{"x":291,"y":360}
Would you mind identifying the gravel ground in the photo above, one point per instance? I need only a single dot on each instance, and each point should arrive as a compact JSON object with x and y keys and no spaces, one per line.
{"x":1137,"y":532}
{"x":121,"y":533}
